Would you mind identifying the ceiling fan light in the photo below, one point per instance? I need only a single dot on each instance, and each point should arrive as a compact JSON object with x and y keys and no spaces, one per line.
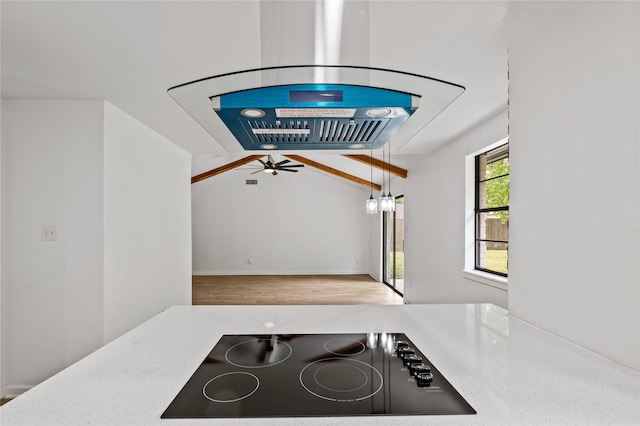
{"x":270,"y":171}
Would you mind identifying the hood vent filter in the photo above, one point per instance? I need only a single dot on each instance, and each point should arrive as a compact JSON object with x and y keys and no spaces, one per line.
{"x":323,"y":131}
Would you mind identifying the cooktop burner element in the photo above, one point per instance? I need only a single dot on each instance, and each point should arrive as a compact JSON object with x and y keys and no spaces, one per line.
{"x":342,"y":346}
{"x":341,"y":380}
{"x":315,"y":375}
{"x":258,"y":353}
{"x":231,"y":387}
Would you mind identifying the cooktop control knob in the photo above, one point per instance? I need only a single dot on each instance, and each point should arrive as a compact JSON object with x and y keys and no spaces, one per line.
{"x":404,"y":351}
{"x":401,"y":344}
{"x":404,"y":357}
{"x":418,"y":369}
{"x":424,"y":379}
{"x":411,"y":359}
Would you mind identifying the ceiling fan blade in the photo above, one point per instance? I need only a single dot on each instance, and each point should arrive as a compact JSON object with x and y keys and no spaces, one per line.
{"x":287,"y":170}
{"x":257,"y":171}
{"x":282,"y":162}
{"x":274,"y":172}
{"x":292,"y":165}
{"x":262,"y":162}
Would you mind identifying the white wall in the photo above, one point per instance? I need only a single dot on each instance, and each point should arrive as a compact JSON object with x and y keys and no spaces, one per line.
{"x":435,"y":221}
{"x":119,"y":195}
{"x":52,"y":290}
{"x":302,"y":223}
{"x":575,"y":203}
{"x":147,"y":223}
{"x":1,"y":239}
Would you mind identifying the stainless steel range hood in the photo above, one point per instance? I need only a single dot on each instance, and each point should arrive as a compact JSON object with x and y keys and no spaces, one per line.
{"x":330,"y":104}
{"x":314,"y":107}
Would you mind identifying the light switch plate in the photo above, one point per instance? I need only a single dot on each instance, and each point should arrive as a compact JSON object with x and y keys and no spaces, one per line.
{"x":49,"y":233}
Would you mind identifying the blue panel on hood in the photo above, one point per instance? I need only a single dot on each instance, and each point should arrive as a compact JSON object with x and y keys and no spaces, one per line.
{"x":314,"y":116}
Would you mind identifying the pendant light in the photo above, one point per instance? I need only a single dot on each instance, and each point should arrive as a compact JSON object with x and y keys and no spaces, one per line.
{"x":372,"y":203}
{"x":382,"y":202}
{"x":387,"y":202}
{"x":391,"y":200}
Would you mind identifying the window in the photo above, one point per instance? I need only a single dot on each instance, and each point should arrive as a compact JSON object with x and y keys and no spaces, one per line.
{"x":492,"y":211}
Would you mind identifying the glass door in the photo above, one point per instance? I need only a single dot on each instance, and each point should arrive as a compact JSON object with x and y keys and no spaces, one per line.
{"x":393,"y":246}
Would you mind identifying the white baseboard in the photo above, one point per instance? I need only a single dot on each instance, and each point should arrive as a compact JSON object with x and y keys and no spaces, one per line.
{"x":279,"y":273}
{"x":13,"y":391}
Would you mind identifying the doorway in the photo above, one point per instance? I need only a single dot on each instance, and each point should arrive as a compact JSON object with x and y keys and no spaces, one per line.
{"x":393,"y":246}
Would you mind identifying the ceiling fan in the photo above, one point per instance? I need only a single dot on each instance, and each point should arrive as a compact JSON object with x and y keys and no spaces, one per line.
{"x":272,"y":167}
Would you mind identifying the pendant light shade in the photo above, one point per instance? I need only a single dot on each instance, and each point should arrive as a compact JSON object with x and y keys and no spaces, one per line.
{"x":391,"y":202}
{"x":387,"y":203}
{"x":383,"y":204}
{"x":372,"y":203}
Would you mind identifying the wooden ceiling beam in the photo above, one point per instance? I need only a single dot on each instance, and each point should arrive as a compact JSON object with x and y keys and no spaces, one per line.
{"x":379,"y":164}
{"x":334,"y":172}
{"x":225,"y":168}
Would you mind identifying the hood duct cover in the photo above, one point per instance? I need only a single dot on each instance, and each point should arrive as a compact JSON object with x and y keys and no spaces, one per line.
{"x":314,"y":107}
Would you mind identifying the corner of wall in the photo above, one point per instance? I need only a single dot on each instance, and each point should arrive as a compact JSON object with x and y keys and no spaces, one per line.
{"x":147,"y":190}
{"x":435,"y":237}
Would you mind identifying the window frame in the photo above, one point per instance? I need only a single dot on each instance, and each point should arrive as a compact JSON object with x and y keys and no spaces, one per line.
{"x":478,"y":211}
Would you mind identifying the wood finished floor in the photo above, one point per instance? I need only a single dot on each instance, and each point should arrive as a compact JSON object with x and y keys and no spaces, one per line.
{"x":291,"y":290}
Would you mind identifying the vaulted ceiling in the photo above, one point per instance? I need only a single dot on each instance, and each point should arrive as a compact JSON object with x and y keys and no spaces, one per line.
{"x":130,"y":53}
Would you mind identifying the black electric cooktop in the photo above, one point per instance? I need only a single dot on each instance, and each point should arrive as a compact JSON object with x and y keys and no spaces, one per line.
{"x":315,"y":375}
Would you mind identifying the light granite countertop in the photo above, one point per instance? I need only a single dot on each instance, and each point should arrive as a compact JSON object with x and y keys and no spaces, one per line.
{"x":509,"y":371}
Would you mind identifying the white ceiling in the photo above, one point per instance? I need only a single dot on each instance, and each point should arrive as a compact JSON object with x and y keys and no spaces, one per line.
{"x":129,"y":53}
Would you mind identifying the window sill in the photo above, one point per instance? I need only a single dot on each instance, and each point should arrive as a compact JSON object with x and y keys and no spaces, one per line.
{"x":486,"y":279}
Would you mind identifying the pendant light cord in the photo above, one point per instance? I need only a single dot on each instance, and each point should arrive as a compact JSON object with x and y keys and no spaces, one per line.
{"x":371,"y":166}
{"x":389,"y":168}
{"x":383,"y":171}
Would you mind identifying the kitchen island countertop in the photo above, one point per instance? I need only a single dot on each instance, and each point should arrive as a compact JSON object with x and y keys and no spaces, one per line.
{"x":509,"y":371}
